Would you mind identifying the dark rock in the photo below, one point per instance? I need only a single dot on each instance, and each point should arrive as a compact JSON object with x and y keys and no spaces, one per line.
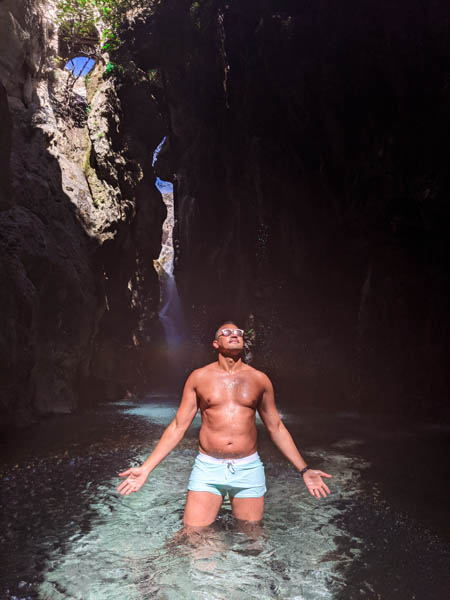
{"x":79,"y":229}
{"x":309,"y":145}
{"x":5,"y":149}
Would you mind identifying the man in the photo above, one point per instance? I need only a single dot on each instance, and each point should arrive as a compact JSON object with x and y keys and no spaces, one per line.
{"x":228,"y":393}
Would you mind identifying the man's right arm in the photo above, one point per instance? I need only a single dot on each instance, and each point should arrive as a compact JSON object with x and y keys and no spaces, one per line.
{"x":173,"y":434}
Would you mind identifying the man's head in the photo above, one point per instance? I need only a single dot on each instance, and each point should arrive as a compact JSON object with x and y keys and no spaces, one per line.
{"x":229,"y":339}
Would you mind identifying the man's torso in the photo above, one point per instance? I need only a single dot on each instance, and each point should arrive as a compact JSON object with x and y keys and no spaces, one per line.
{"x":228,"y":402}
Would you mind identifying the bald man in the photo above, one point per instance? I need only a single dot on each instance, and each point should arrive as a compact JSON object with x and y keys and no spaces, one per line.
{"x":228,"y":393}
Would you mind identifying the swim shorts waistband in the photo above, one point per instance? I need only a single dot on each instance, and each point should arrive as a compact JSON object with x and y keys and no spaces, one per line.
{"x":234,"y":461}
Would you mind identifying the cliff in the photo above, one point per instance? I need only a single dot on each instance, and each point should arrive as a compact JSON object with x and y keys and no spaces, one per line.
{"x":80,"y":225}
{"x":308,"y":148}
{"x":310,"y":145}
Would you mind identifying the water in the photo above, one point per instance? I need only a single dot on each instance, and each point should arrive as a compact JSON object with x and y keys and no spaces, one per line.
{"x":170,"y":310}
{"x":132,"y":552}
{"x":69,"y":535}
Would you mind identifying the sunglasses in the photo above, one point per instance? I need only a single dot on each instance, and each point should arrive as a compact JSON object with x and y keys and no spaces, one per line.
{"x":228,"y":332}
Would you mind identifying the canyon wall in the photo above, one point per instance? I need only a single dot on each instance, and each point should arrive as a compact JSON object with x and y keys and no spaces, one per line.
{"x":310,"y":146}
{"x":80,"y":224}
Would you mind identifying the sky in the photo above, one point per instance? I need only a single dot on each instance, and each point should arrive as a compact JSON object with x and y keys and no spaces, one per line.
{"x":80,"y":65}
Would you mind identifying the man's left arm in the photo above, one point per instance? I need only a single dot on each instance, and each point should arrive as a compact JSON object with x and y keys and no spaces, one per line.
{"x":283,"y":440}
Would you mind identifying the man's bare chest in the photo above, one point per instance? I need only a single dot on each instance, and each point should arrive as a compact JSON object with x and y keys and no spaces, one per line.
{"x":228,"y":390}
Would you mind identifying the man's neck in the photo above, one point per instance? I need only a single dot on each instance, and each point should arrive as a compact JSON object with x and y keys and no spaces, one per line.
{"x":229,"y":363}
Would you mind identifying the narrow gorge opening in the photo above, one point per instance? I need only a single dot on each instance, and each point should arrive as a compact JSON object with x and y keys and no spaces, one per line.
{"x":77,"y":71}
{"x":170,"y":310}
{"x":80,"y":66}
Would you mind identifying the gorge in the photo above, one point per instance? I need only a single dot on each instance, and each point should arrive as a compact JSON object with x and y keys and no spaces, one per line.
{"x":283,"y":164}
{"x":308,"y":150}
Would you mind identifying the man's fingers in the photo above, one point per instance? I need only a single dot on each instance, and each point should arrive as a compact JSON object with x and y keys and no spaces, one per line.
{"x":326,"y":488}
{"x":126,"y":483}
{"x":323,"y":492}
{"x":322,"y":474}
{"x":128,"y":486}
{"x":125,"y":473}
{"x":122,"y":486}
{"x":127,"y":489}
{"x":319,"y":492}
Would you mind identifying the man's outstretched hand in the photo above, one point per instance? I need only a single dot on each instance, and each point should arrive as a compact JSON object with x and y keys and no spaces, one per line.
{"x":135,"y":479}
{"x":314,"y":483}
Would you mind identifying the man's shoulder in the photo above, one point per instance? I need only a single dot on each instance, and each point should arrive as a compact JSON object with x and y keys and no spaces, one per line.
{"x":256,"y":374}
{"x":205,"y":370}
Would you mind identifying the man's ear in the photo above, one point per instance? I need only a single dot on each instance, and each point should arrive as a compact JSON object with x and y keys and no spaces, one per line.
{"x":215,"y":344}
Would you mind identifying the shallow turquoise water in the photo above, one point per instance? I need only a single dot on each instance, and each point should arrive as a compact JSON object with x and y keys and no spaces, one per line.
{"x":69,"y":535}
{"x":134,"y":550}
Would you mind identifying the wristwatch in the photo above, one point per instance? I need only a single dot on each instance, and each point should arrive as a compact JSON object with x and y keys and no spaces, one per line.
{"x":303,"y":471}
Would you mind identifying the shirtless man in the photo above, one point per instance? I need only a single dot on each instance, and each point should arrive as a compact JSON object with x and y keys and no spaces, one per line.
{"x":228,"y":393}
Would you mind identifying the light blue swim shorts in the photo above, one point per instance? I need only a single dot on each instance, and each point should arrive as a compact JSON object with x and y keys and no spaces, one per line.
{"x":240,"y":477}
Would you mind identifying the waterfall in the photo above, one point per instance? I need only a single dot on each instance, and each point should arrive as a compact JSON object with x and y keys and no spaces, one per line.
{"x":170,"y":310}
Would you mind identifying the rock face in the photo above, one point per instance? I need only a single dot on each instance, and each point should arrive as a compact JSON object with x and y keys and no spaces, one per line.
{"x":310,"y":145}
{"x":80,"y":225}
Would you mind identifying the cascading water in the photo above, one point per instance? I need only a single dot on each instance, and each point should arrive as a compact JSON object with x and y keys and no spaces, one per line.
{"x":170,"y":310}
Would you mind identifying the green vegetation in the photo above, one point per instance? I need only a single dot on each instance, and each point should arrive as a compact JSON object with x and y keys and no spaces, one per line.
{"x":195,"y":10}
{"x":110,"y":68}
{"x":91,"y":28}
{"x":80,"y":20}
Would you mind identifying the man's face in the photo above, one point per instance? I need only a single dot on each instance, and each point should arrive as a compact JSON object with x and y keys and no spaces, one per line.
{"x":233,"y":343}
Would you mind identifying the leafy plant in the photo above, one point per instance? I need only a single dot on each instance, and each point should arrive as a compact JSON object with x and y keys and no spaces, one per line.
{"x":79,"y":19}
{"x":90,"y":28}
{"x":110,"y":68}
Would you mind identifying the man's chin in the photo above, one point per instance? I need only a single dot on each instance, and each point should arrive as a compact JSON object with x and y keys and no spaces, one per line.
{"x":232,"y":351}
